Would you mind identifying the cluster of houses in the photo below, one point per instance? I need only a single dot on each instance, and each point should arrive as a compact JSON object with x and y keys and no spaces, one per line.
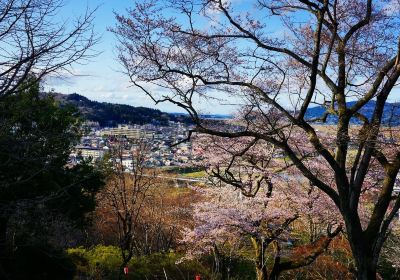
{"x":160,"y":140}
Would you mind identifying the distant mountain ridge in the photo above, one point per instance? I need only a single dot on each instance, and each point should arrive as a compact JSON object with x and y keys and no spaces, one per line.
{"x":391,"y":113}
{"x":110,"y":114}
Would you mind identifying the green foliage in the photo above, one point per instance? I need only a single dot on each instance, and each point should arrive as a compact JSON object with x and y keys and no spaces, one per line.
{"x":36,"y":137}
{"x":100,"y":260}
{"x":83,"y":181}
{"x":153,"y":266}
{"x":182,"y":170}
{"x":35,"y":140}
{"x":40,"y":193}
{"x":232,"y":267}
{"x":104,"y":262}
{"x":196,"y":174}
{"x":386,"y":269}
{"x":242,"y":269}
{"x":107,"y":114}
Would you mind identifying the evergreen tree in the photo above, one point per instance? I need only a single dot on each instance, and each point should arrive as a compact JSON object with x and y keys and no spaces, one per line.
{"x":39,"y":190}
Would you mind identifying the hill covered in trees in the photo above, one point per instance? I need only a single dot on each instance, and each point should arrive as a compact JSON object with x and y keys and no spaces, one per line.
{"x":109,"y":114}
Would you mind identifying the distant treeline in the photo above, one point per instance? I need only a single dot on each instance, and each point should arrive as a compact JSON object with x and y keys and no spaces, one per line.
{"x":108,"y":114}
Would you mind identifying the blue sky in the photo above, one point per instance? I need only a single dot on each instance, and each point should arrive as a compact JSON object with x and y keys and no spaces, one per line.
{"x":100,"y":79}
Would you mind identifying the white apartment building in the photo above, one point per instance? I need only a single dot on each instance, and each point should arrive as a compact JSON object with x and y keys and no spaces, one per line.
{"x":126,"y":131}
{"x":90,"y":152}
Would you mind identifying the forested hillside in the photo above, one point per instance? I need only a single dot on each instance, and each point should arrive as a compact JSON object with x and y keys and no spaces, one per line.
{"x":109,"y":114}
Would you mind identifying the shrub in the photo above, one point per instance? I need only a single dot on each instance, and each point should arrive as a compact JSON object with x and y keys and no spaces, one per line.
{"x":103,"y":262}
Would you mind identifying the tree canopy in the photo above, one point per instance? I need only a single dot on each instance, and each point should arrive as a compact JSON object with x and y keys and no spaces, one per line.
{"x":327,"y":52}
{"x":38,"y":187}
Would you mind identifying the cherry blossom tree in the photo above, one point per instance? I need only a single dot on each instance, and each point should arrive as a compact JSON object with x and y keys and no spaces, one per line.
{"x":252,"y":202}
{"x":276,"y":59}
{"x":227,"y":216}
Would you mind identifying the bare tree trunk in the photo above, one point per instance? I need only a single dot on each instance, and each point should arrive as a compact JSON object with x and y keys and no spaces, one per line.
{"x":216,"y":259}
{"x":363,"y":253}
{"x":261,"y":268}
{"x":125,"y":260}
{"x":261,"y":271}
{"x":365,"y":262}
{"x":121,"y":274}
{"x":366,"y":268}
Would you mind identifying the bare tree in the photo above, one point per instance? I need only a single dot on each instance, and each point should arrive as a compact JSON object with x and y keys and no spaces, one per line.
{"x":33,"y":40}
{"x":137,"y":210}
{"x":126,"y":195}
{"x":327,"y":52}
